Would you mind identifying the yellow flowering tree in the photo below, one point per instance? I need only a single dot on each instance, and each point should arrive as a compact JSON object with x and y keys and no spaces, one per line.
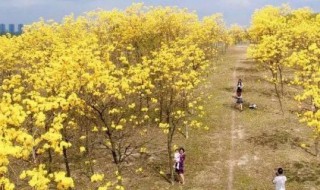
{"x":99,"y":80}
{"x":237,"y":34}
{"x":269,"y":44}
{"x":285,"y":38}
{"x":305,"y":61}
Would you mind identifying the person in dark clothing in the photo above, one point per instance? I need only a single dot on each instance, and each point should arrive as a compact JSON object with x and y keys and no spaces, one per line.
{"x":239,"y":85}
{"x":239,"y":100}
{"x":238,"y":96}
{"x":180,"y":169}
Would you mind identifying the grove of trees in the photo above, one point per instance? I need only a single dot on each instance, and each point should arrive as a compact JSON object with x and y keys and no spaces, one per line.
{"x":282,"y":40}
{"x":100,"y":83}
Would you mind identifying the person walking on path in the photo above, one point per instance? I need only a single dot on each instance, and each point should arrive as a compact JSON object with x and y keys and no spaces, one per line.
{"x":180,"y":169}
{"x":280,"y":180}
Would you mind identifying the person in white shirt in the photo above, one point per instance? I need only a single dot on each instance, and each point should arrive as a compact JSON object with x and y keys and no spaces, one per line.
{"x":176,"y":159}
{"x":280,"y":180}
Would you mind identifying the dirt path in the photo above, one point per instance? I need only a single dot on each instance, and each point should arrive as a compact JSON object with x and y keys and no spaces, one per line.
{"x":231,"y":159}
{"x":216,"y":155}
{"x":235,"y":132}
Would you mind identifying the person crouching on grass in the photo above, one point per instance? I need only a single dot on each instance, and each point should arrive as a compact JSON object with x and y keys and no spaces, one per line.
{"x":239,"y":100}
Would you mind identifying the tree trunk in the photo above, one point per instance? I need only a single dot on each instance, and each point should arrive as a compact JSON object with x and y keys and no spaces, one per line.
{"x":187,"y":132}
{"x":169,"y":147}
{"x":113,"y":149}
{"x":279,"y":97}
{"x":49,"y":154}
{"x":49,"y":161}
{"x":140,"y":104}
{"x":161,"y":109}
{"x":66,"y":161}
{"x":170,"y":136}
{"x":277,"y":90}
{"x":34,"y":155}
{"x":119,"y":180}
{"x":317,"y":139}
{"x":170,"y":158}
{"x":281,"y":80}
{"x":88,"y":152}
{"x":316,"y":143}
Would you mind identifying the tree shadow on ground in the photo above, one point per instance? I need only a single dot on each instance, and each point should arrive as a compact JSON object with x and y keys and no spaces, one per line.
{"x":269,"y":94}
{"x":303,"y":172}
{"x":165,"y":176}
{"x":307,"y":149}
{"x":248,"y":61}
{"x":229,"y":89}
{"x":229,"y":105}
{"x":256,"y":78}
{"x":245,"y":90}
{"x":247,"y":69}
{"x":274,"y":140}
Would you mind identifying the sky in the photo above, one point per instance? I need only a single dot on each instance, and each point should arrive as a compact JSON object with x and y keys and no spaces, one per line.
{"x":234,"y":11}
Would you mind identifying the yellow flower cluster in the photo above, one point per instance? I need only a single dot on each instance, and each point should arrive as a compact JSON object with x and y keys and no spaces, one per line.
{"x":63,"y":182}
{"x":97,"y":177}
{"x":39,"y":178}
